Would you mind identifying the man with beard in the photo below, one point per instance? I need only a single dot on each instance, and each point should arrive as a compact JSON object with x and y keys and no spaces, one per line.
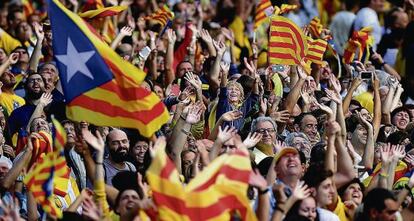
{"x":118,"y":146}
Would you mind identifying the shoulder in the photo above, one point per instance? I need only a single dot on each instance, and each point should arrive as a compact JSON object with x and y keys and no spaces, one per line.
{"x":326,"y":215}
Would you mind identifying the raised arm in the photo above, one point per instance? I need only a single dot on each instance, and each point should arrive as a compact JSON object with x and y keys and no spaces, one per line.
{"x":347,"y":100}
{"x":169,"y":59}
{"x":345,"y":167}
{"x":368,"y":157}
{"x":223,"y":136}
{"x":13,"y":58}
{"x":294,"y":94}
{"x":37,"y":53}
{"x":214,"y":81}
{"x":125,"y":31}
{"x":376,"y":122}
{"x":45,"y":100}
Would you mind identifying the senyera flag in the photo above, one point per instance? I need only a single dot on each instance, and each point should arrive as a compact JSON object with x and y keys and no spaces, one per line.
{"x":287,"y":43}
{"x":99,"y":86}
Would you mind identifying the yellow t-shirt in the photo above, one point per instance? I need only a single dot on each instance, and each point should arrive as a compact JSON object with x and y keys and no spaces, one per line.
{"x":340,"y":210}
{"x":11,"y":102}
{"x":237,"y":26}
{"x":7,"y":42}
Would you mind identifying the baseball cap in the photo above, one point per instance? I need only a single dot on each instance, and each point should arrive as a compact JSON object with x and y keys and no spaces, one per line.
{"x":285,"y":151}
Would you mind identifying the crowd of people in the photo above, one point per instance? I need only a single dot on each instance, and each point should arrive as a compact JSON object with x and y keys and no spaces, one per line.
{"x":334,"y":144}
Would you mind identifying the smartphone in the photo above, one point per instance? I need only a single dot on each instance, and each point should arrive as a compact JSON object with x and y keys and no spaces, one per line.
{"x":366,"y":75}
{"x":278,"y":68}
{"x":145,"y":52}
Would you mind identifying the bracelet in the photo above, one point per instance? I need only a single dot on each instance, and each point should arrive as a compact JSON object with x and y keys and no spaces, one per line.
{"x":384,"y":175}
{"x":262,"y":192}
{"x":99,"y":163}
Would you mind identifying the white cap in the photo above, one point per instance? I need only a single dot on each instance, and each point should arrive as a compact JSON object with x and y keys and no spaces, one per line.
{"x":7,"y":161}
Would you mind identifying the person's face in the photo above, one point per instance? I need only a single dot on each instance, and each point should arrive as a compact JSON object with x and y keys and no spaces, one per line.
{"x":229,"y":145}
{"x":18,"y":17}
{"x":127,"y":202}
{"x":138,"y":151}
{"x":2,"y":121}
{"x":303,"y":145}
{"x":70,"y":132}
{"x":402,"y":20}
{"x":4,"y":169}
{"x":160,"y":63}
{"x":309,"y":126}
{"x":325,"y":72}
{"x":49,"y":74}
{"x":353,"y":192}
{"x":233,"y":94}
{"x":158,"y":90}
{"x":184,"y":68}
{"x":268,"y":132}
{"x":35,"y":84}
{"x":401,"y":119}
{"x":308,"y":208}
{"x":365,"y":114}
{"x":40,"y":124}
{"x":378,"y":5}
{"x":8,"y":79}
{"x":23,"y":55}
{"x":325,"y":193}
{"x":118,"y":145}
{"x":188,"y":159}
{"x":360,"y":134}
{"x":3,"y":56}
{"x":24,"y":31}
{"x":289,"y":165}
{"x":388,"y":213}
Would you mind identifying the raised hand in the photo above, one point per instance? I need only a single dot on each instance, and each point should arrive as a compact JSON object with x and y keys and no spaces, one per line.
{"x":228,"y":34}
{"x":38,"y":28}
{"x":225,"y":67}
{"x":220,"y":47}
{"x":250,"y":66}
{"x":194,"y":113}
{"x":326,"y":109}
{"x":278,"y":146}
{"x":301,"y":72}
{"x":205,"y":36}
{"x":301,"y":191}
{"x":252,"y":139}
{"x":257,"y":180}
{"x":184,"y":94}
{"x":226,"y":134}
{"x":280,"y":116}
{"x":263,"y":105}
{"x":171,"y":36}
{"x":364,"y":120}
{"x":332,"y":128}
{"x":160,"y":143}
{"x":91,"y":210}
{"x":143,"y":185}
{"x":95,"y":141}
{"x":193,"y":79}
{"x":46,"y":99}
{"x":231,"y":116}
{"x":398,"y":152}
{"x":335,"y":84}
{"x":14,"y":58}
{"x":386,"y":154}
{"x":333,"y":96}
{"x":126,"y":31}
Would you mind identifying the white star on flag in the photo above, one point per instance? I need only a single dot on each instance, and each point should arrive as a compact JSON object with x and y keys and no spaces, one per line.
{"x":75,"y":61}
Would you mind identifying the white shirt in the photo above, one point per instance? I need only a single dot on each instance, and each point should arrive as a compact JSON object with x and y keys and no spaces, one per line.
{"x":340,"y":27}
{"x":326,"y":215}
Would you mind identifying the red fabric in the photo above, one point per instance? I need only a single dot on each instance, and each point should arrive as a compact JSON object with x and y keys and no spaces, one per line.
{"x":181,"y":51}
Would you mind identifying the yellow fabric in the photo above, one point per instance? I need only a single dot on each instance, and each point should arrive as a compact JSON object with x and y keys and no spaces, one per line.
{"x":237,"y":26}
{"x":7,"y":42}
{"x":212,"y":117}
{"x":340,"y":210}
{"x":278,"y":90}
{"x":366,"y":99}
{"x":400,"y":64}
{"x":11,"y":101}
{"x":100,"y":197}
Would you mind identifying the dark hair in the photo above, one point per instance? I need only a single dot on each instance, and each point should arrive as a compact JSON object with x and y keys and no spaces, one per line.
{"x":315,"y":175}
{"x":293,"y":213}
{"x":122,"y":181}
{"x":350,"y":4}
{"x":317,"y":156}
{"x":397,"y":137}
{"x":391,"y":17}
{"x":341,"y":191}
{"x":264,"y":166}
{"x":351,"y":123}
{"x":382,"y":137}
{"x":247,"y":83}
{"x":300,"y":117}
{"x":408,"y":39}
{"x":375,"y":200}
{"x":364,"y":3}
{"x":401,"y":109}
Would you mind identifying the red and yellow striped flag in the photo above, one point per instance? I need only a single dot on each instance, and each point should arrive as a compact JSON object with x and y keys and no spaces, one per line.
{"x":359,"y":42}
{"x":102,"y":12}
{"x":315,"y":27}
{"x":284,"y":8}
{"x":261,"y":9}
{"x":108,"y":89}
{"x":161,"y":16}
{"x":41,"y":179}
{"x":217,"y":193}
{"x":287,"y":43}
{"x":316,"y":50}
{"x":27,"y":7}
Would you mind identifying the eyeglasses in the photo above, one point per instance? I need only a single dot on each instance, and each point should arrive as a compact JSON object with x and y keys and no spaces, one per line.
{"x":264,"y":130}
{"x":32,"y":80}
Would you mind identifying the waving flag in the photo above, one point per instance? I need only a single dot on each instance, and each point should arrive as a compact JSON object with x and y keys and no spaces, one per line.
{"x":102,"y":12}
{"x":287,"y":43}
{"x":316,"y":49}
{"x":48,"y":173}
{"x":219,"y":191}
{"x":161,"y":16}
{"x":99,"y":86}
{"x":315,"y":27}
{"x":27,"y":7}
{"x":262,"y":8}
{"x":359,"y":42}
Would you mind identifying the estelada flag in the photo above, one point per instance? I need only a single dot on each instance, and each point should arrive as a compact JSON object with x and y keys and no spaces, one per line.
{"x":216,"y":193}
{"x":99,"y":86}
{"x":287,"y":43}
